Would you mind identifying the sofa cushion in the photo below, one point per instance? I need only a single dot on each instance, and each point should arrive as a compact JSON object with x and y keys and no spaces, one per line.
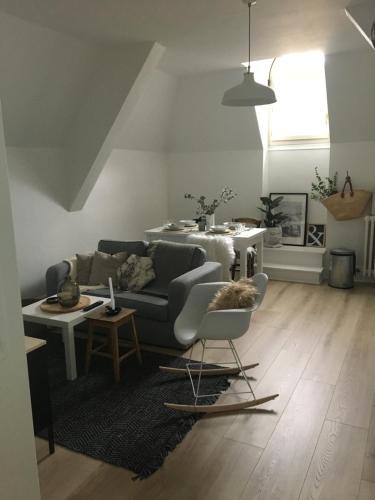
{"x":105,"y":266}
{"x":84,"y":264}
{"x":111,"y":246}
{"x":135,"y":273}
{"x":147,"y":306}
{"x":171,"y":260}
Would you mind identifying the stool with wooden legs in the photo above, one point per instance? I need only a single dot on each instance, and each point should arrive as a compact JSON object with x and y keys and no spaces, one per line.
{"x":111,"y":324}
{"x":195,"y":323}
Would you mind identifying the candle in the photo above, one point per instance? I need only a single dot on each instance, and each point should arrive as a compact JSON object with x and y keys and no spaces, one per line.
{"x":111,"y":293}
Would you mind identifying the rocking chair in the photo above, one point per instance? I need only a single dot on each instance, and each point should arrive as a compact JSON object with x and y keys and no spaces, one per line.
{"x":195,"y":323}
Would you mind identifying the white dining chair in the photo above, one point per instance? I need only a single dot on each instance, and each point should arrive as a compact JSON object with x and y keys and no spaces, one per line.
{"x":196,"y":323}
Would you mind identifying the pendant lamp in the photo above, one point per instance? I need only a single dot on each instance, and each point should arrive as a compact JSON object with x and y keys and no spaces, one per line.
{"x":249,"y":92}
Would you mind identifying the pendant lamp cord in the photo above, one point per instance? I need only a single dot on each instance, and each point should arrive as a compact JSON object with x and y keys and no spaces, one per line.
{"x":249,"y":4}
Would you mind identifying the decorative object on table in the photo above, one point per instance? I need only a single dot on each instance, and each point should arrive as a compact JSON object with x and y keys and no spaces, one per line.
{"x":272,"y":220}
{"x":173,"y":226}
{"x":59,"y":309}
{"x":188,"y":223}
{"x":294,"y":210}
{"x":219,"y":229}
{"x":195,"y":323}
{"x":121,"y":410}
{"x":111,"y":310}
{"x":202,"y":224}
{"x":323,"y":188}
{"x":347,"y":205}
{"x":342,"y":268}
{"x":239,"y":294}
{"x":249,"y":92}
{"x":208,"y":209}
{"x":68,"y":293}
{"x":316,"y":235}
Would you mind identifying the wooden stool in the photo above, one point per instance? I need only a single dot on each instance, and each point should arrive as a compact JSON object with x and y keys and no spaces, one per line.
{"x":112,"y":323}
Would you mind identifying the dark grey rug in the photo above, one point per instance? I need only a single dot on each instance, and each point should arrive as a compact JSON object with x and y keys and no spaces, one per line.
{"x":123,"y":424}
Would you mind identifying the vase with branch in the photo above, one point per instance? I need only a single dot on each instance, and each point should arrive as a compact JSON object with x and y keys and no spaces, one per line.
{"x":207,"y":208}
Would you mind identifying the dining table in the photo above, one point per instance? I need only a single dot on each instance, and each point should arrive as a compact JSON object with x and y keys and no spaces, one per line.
{"x":242,"y":240}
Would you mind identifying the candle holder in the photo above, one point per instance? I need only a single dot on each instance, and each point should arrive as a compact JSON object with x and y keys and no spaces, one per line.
{"x":112,"y":312}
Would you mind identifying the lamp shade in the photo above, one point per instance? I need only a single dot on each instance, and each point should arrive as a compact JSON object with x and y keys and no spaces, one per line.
{"x":248,"y":93}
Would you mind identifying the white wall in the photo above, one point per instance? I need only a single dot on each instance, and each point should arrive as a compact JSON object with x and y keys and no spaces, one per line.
{"x":206,"y":173}
{"x":129,"y":197}
{"x":292,"y":171}
{"x":18,"y":470}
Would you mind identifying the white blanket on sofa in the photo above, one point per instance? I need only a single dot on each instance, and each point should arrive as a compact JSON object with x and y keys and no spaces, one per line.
{"x":218,"y":248}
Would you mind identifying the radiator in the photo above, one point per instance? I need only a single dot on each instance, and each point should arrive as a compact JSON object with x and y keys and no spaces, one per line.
{"x":369,"y":248}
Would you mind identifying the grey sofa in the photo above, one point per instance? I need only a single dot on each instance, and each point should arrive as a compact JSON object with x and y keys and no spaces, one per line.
{"x":177,"y":267}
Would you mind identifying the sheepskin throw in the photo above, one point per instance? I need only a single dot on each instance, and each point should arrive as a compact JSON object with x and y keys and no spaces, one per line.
{"x":218,"y":248}
{"x":236,"y":295}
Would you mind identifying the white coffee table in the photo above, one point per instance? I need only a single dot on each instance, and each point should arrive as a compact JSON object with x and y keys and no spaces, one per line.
{"x":66,"y":322}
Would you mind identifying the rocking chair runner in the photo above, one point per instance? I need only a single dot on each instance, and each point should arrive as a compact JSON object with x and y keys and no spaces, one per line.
{"x":195,"y":323}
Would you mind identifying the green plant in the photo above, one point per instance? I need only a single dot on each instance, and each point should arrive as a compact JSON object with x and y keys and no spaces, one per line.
{"x":206,"y":208}
{"x":323,"y":188}
{"x":272,"y":219}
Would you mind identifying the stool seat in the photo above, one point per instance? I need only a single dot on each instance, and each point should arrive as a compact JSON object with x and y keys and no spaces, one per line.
{"x":112,"y":324}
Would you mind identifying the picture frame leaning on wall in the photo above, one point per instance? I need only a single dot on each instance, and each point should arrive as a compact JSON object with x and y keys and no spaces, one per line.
{"x":294,"y":229}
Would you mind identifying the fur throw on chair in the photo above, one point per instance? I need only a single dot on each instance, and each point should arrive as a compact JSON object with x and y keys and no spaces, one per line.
{"x":235,"y":295}
{"x":218,"y":248}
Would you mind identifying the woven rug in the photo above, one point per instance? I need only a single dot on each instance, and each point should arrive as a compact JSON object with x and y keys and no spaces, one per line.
{"x":124,"y":424}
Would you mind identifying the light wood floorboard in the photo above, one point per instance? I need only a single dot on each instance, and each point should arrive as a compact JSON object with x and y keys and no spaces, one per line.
{"x":367,"y":491}
{"x":368,"y":472}
{"x":336,"y":468}
{"x":285,"y":461}
{"x":315,"y":346}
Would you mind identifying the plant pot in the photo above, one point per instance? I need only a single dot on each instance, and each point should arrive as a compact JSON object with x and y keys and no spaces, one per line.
{"x":272,"y":238}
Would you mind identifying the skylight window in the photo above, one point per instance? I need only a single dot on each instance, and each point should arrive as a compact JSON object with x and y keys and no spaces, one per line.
{"x":300,"y":114}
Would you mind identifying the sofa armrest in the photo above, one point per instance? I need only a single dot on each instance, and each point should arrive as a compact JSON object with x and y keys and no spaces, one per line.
{"x":179,"y":288}
{"x":55,"y":275}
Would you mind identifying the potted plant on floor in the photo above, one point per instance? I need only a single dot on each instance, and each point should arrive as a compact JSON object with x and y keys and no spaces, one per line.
{"x":272,"y":220}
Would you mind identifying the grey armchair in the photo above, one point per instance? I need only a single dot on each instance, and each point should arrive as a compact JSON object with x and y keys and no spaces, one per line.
{"x":178,"y":267}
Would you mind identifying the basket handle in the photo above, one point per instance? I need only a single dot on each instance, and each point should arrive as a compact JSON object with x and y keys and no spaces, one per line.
{"x":348,"y":181}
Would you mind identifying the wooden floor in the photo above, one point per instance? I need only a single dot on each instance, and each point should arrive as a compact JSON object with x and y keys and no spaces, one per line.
{"x":316,"y":347}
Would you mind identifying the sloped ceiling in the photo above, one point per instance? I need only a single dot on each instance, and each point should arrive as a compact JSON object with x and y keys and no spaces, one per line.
{"x":200,"y":34}
{"x":350,"y":80}
{"x":44,"y":76}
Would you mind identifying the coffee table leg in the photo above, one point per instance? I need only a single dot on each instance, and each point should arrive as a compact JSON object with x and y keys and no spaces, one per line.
{"x":70,"y":352}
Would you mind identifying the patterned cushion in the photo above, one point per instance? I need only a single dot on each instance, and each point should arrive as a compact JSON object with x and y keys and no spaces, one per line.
{"x":135,"y":273}
{"x":105,"y":266}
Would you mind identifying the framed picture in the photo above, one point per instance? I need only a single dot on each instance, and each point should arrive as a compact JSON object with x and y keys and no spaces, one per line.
{"x":294,"y":205}
{"x":316,"y":235}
